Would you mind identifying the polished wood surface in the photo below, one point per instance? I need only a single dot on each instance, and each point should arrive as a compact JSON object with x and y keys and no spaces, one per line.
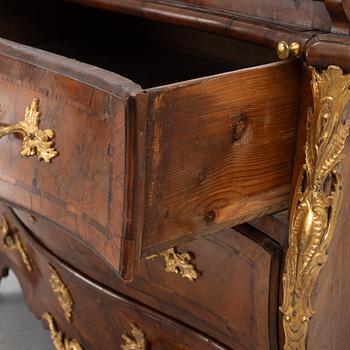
{"x":99,"y":316}
{"x":329,"y":329}
{"x":245,"y":259}
{"x":327,"y":49}
{"x":178,"y":125}
{"x":85,"y":107}
{"x":339,"y":11}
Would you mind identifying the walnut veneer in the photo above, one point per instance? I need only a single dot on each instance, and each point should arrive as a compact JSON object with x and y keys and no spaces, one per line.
{"x":172,"y":139}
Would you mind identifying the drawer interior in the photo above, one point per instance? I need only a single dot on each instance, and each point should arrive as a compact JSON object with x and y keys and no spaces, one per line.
{"x":147,"y":52}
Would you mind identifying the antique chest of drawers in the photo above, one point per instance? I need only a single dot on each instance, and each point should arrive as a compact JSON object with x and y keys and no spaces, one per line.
{"x":149,"y":153}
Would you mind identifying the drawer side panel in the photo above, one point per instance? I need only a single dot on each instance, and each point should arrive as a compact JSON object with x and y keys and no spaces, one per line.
{"x":198,"y":177}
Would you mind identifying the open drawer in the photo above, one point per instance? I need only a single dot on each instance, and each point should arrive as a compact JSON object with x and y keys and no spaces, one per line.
{"x":204,"y":138}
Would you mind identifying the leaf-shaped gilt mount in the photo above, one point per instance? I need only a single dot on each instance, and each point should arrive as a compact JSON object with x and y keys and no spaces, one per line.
{"x":12,"y":241}
{"x":179,"y":263}
{"x":136,"y":341}
{"x":58,"y":339}
{"x":35,"y":141}
{"x":62,"y":293}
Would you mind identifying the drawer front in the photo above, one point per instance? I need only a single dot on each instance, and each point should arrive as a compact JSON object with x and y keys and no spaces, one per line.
{"x":82,"y":189}
{"x":90,"y":316}
{"x":234,"y":295}
{"x":137,"y":171}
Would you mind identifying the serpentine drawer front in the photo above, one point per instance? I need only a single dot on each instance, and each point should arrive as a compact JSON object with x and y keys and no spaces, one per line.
{"x":72,"y":306}
{"x":241,"y":315}
{"x":133,"y":170}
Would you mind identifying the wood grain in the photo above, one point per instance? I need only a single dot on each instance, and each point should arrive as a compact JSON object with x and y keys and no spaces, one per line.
{"x":197,"y":178}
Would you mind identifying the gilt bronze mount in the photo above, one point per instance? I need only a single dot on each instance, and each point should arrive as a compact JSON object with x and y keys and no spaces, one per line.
{"x":316,"y":202}
{"x":35,"y":140}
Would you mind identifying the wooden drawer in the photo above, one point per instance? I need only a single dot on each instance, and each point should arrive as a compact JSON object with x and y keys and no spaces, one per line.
{"x":234,"y":299}
{"x":88,"y":313}
{"x":141,"y":168}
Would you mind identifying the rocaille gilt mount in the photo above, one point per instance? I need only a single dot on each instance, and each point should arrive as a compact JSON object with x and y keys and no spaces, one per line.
{"x":12,"y":241}
{"x":35,"y":141}
{"x":59,"y":342}
{"x":62,"y":293}
{"x":179,"y":263}
{"x":136,"y":341}
{"x":316,"y":202}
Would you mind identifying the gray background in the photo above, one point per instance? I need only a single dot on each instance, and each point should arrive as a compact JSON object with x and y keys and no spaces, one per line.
{"x":19,"y":329}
